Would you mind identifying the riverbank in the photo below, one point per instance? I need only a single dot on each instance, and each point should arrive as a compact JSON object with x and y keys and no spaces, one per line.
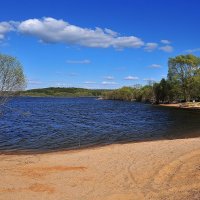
{"x":167,"y":169}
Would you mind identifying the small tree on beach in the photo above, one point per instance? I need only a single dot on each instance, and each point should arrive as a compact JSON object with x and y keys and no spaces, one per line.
{"x":12,"y":79}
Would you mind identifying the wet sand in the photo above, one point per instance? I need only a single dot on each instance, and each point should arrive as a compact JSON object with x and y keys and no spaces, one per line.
{"x":167,"y":169}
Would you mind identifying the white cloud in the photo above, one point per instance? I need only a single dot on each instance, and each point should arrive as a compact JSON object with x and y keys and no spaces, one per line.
{"x":131,"y":78}
{"x":111,"y":32}
{"x":167,"y":48}
{"x":109,"y":77}
{"x":85,"y":61}
{"x":51,"y":30}
{"x":109,"y":83}
{"x":89,"y":82}
{"x":150,"y":46}
{"x":165,"y":41}
{"x":192,"y":50}
{"x":5,"y":27}
{"x":155,"y":66}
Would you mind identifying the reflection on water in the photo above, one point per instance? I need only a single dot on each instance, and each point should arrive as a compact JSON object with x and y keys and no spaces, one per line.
{"x":40,"y":124}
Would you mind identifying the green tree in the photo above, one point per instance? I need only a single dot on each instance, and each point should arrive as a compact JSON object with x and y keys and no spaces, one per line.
{"x":181,"y":74}
{"x":195,"y":92}
{"x":147,"y":93}
{"x":162,"y":91}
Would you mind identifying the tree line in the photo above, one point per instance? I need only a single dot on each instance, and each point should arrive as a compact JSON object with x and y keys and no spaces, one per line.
{"x":181,"y":85}
{"x":64,"y":92}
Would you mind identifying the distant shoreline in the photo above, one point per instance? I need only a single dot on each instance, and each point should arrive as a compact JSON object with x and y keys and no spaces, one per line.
{"x":58,"y":96}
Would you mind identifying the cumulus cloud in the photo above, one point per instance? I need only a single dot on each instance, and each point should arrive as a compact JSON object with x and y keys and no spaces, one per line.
{"x":109,"y":83}
{"x":167,"y":48}
{"x":150,"y":46}
{"x":111,"y":32}
{"x":131,"y":78}
{"x":165,"y":41}
{"x":5,"y":27}
{"x":155,"y":66}
{"x":85,"y":61}
{"x":51,"y":30}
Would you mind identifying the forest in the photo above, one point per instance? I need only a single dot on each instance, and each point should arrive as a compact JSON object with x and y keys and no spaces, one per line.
{"x":64,"y":92}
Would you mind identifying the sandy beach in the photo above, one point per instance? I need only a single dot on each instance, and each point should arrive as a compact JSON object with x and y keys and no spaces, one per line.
{"x":190,"y":105}
{"x":167,"y":169}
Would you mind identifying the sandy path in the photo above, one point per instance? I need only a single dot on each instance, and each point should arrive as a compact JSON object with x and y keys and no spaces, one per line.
{"x":147,"y":170}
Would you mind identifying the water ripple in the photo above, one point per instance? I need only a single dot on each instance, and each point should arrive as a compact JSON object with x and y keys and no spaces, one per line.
{"x":42,"y":124}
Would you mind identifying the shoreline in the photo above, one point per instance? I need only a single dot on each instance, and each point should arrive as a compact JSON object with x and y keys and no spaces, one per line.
{"x":81,"y":148}
{"x":192,"y":106}
{"x":57,"y":96}
{"x":91,"y":147}
{"x":164,"y":169}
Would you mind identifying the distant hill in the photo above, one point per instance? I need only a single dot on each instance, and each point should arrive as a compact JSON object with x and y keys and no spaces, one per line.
{"x":64,"y":92}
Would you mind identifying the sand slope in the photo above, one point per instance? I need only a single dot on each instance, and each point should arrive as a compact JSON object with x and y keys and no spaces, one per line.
{"x":136,"y":171}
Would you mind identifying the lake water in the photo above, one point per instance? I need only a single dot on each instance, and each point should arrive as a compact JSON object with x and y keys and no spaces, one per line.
{"x":43,"y":124}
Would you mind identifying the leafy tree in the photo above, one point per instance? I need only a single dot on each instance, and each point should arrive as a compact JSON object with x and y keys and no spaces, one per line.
{"x":162,"y":91}
{"x":195,"y":92}
{"x":147,"y":93}
{"x":181,"y":74}
{"x":12,"y":79}
{"x":124,"y":94}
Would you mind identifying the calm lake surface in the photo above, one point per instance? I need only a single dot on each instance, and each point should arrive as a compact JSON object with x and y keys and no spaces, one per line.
{"x":42,"y":124}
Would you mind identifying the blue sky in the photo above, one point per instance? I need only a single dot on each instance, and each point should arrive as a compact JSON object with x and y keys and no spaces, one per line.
{"x":97,"y":44}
